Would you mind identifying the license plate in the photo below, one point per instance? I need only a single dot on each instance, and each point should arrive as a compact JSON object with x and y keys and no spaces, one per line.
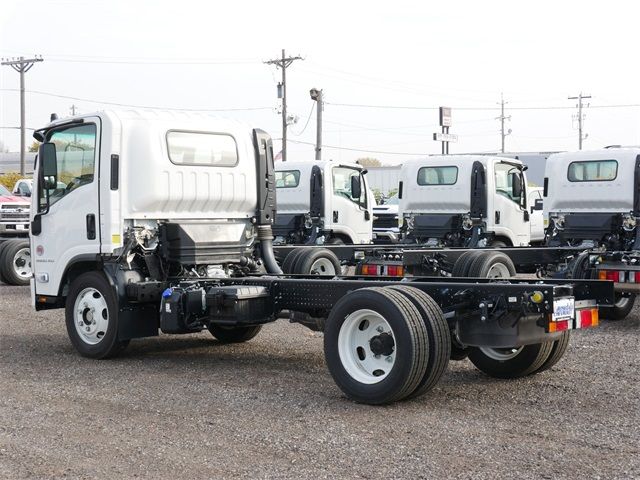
{"x":563,"y":309}
{"x":21,"y":227}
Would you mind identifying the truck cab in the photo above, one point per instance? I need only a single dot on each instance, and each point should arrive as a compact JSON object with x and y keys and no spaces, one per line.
{"x":466,"y":201}
{"x":385,"y":220}
{"x":322,"y":202}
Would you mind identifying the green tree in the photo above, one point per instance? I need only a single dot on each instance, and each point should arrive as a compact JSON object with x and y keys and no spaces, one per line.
{"x":34,"y":146}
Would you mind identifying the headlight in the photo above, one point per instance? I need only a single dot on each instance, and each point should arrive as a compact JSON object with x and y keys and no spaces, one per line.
{"x":628,"y":222}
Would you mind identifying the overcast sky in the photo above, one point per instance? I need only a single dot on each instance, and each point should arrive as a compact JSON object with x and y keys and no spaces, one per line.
{"x":463,"y":54}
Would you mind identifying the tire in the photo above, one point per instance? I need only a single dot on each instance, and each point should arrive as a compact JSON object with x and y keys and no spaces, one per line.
{"x":392,"y":327}
{"x":234,"y":334}
{"x":438,"y":336}
{"x":318,"y":262}
{"x":334,"y":241}
{"x":459,"y":353}
{"x":621,"y":309}
{"x":91,"y":297}
{"x":497,"y":244}
{"x":492,"y":265}
{"x":525,"y":361}
{"x":290,"y":260}
{"x":2,"y":246}
{"x":15,"y":262}
{"x":463,"y":263}
{"x":557,"y":351}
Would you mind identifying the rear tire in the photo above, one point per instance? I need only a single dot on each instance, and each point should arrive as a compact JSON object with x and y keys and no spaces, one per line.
{"x":15,"y":262}
{"x":376,"y":346}
{"x":438,"y":336}
{"x":288,"y":266}
{"x":318,"y":262}
{"x":497,"y":244}
{"x":492,"y":265}
{"x":335,"y":241}
{"x":234,"y":334}
{"x":557,"y":351}
{"x":621,"y":309}
{"x":91,"y":316}
{"x":510,"y":362}
{"x":463,"y":263}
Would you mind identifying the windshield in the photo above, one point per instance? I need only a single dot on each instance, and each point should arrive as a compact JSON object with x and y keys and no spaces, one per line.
{"x":4,"y":191}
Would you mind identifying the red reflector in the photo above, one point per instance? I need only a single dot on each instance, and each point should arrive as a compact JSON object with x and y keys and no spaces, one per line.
{"x":612,"y":276}
{"x":369,"y":269}
{"x":588,"y":318}
{"x":562,"y":325}
{"x":394,"y":270}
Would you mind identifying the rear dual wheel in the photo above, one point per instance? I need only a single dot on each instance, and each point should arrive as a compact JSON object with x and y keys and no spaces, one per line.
{"x":385,"y":344}
{"x":312,"y":261}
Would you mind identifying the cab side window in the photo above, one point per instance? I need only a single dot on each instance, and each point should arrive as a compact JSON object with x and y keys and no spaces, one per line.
{"x":342,"y":185}
{"x":504,"y":182}
{"x":76,"y":156}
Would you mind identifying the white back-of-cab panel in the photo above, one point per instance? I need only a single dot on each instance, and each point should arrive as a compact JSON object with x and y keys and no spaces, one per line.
{"x":566,"y":194}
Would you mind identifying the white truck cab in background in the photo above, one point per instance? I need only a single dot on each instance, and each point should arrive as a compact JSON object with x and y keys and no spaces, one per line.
{"x":467,"y":201}
{"x":322,"y":202}
{"x":592,"y":200}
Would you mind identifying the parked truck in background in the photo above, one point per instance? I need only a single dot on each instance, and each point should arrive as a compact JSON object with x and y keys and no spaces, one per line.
{"x":165,"y":224}
{"x":592,"y":200}
{"x":385,"y":221}
{"x":322,"y":202}
{"x":15,"y":257}
{"x":467,"y":201}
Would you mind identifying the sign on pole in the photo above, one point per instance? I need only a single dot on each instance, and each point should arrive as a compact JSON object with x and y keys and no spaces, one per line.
{"x":445,"y":137}
{"x":445,"y":116}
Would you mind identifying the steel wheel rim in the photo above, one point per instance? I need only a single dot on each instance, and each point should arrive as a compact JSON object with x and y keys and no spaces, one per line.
{"x":501,"y":354}
{"x":91,"y":316}
{"x":322,"y":266}
{"x":355,"y":340}
{"x":498,"y":270}
{"x":622,"y":301}
{"x":22,"y":263}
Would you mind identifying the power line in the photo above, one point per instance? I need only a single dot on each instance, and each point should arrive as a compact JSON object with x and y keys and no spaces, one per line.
{"x":358,"y":149}
{"x":147,"y":60}
{"x":411,"y":107}
{"x":68,"y":97}
{"x":313,"y":106}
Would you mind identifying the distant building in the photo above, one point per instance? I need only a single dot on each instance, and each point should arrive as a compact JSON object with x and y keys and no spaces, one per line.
{"x":10,"y":162}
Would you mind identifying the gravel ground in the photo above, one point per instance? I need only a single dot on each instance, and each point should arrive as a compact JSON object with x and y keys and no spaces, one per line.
{"x":188,"y":407}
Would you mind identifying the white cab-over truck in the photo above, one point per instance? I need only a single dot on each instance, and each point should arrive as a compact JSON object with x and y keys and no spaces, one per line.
{"x":15,"y":258}
{"x":322,"y":202}
{"x":165,"y":224}
{"x":592,"y":200}
{"x":467,"y":201}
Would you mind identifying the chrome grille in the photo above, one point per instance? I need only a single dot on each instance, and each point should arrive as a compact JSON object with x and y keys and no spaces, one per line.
{"x":14,"y":214}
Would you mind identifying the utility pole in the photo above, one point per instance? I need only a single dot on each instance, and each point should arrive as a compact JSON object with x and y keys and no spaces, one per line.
{"x":22,"y":65}
{"x":283,"y":63}
{"x":317,"y":96}
{"x":580,"y":97}
{"x":502,"y":118}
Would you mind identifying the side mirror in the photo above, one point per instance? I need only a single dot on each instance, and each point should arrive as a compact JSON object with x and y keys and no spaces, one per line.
{"x":356,"y":188}
{"x":537,"y":205}
{"x":516,"y":185}
{"x":48,"y":165}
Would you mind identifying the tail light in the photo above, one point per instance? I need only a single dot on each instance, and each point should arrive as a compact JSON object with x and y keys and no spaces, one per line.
{"x":382,"y":270}
{"x":619,"y":276}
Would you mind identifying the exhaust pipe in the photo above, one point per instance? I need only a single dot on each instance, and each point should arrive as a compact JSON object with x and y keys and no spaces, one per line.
{"x":265,"y":236}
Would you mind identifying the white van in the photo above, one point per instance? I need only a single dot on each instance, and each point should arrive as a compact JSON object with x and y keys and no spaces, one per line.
{"x":468,"y":201}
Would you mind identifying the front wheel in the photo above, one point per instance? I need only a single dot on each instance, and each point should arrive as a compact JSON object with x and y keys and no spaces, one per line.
{"x":512,"y":362}
{"x":15,"y":262}
{"x":91,"y":316}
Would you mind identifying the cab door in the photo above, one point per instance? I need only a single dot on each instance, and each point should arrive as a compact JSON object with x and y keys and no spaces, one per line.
{"x":534,"y":203}
{"x":350,"y":210}
{"x":510,"y":217}
{"x":65,"y":217}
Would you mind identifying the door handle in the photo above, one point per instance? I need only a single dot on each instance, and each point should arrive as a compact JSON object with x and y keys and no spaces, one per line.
{"x":497,"y":217}
{"x":91,"y":226}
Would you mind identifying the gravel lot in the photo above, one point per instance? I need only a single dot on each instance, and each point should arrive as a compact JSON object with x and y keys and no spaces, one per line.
{"x":188,"y":407}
